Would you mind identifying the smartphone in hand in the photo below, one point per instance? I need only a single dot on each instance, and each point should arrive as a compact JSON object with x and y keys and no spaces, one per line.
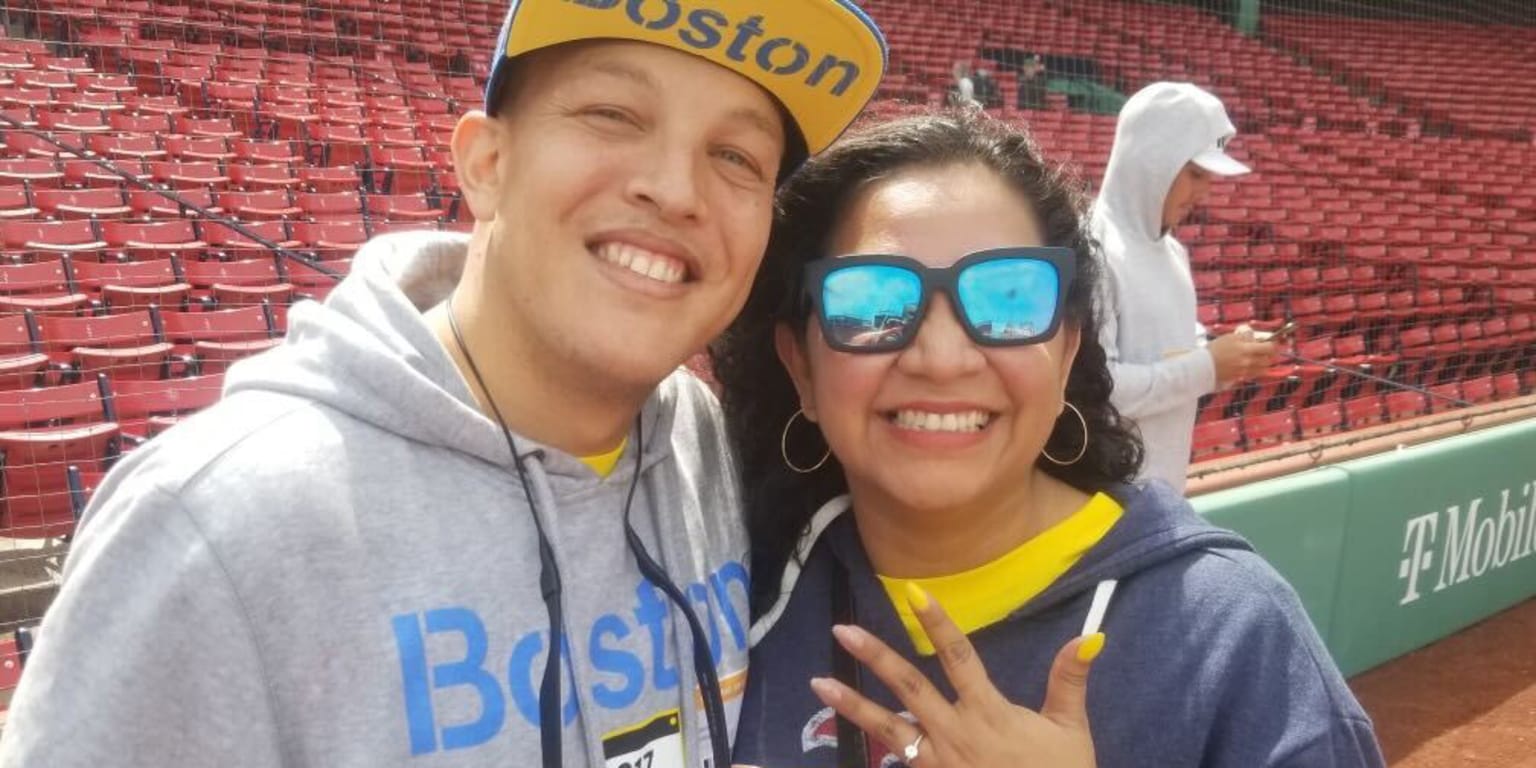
{"x":1281,"y":334}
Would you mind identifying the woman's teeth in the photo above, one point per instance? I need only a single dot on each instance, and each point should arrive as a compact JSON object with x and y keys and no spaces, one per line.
{"x":965,"y":421}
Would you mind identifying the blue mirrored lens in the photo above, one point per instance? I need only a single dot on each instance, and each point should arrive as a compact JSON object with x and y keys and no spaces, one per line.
{"x":870,"y":305}
{"x":1010,"y":299}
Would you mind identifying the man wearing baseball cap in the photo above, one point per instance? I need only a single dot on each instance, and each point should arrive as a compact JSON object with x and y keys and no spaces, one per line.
{"x":469,"y":513}
{"x":1170,"y":143}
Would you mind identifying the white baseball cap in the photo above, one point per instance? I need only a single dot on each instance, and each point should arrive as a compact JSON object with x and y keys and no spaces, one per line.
{"x":1201,"y":119}
{"x":1216,"y":160}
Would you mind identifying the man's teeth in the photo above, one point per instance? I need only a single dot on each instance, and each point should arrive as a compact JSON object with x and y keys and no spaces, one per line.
{"x":642,"y":262}
{"x":967,"y":421}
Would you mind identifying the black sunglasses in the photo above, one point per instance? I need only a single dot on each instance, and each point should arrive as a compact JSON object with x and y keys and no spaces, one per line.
{"x":1003,"y":297}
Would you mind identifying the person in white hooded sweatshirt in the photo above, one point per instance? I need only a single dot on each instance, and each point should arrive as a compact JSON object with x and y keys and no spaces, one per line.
{"x":1169,"y":143}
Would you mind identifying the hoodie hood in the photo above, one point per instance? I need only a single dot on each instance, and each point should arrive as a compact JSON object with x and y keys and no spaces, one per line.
{"x":1162,"y":127}
{"x":368,"y":353}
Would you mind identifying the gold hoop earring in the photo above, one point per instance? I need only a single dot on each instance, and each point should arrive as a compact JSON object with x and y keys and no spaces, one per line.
{"x":784,"y":447}
{"x":1081,"y":451}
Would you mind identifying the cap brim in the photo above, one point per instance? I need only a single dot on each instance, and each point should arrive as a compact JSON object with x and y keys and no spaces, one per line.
{"x":1220,"y":163}
{"x":822,"y":59}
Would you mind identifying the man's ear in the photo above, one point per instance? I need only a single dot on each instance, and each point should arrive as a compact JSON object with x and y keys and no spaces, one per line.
{"x":476,"y":161}
{"x":792,"y":356}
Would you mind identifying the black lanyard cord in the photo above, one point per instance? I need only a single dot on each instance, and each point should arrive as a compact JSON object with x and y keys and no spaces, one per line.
{"x":703,"y":661}
{"x":852,"y":748}
{"x":549,"y":576}
{"x":549,"y":584}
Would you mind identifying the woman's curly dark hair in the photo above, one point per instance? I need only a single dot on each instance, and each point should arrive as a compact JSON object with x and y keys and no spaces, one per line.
{"x":757,"y":393}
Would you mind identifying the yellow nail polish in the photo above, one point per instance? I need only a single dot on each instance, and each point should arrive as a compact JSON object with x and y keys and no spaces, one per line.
{"x":916,"y":597}
{"x":1091,"y":647}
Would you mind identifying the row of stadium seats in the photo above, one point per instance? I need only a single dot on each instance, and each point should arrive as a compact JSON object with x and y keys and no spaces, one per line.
{"x":196,"y":241}
{"x":1222,"y":437}
{"x":388,"y":170}
{"x":319,"y":27}
{"x":26,"y":203}
{"x":58,"y":441}
{"x":1438,"y":80}
{"x":153,"y":342}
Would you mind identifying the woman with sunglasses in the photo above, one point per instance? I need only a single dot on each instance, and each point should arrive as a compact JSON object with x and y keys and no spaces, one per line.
{"x":939,"y":493}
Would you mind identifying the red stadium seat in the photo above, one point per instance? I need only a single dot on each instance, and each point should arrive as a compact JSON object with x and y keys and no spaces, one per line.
{"x":36,"y":173}
{"x":58,"y":143}
{"x":228,"y":243}
{"x":331,"y":239}
{"x":188,"y":174}
{"x":1405,"y":405}
{"x":43,"y":434}
{"x":1363,"y":411}
{"x":330,"y":179}
{"x":1322,"y":419}
{"x":23,"y":364}
{"x":393,"y":137}
{"x":146,"y":407}
{"x":199,"y":148}
{"x":82,"y":203}
{"x":119,"y":285}
{"x":146,"y":124}
{"x":153,"y":204}
{"x":399,"y":170}
{"x":214,"y":339}
{"x":267,"y":205}
{"x":42,"y":287}
{"x":258,"y":177}
{"x":216,"y":127}
{"x":138,"y":240}
{"x":148,"y":104}
{"x":1445,"y":395}
{"x":337,"y":145}
{"x":43,"y":238}
{"x":310,"y":283}
{"x":238,"y":283}
{"x":1506,"y":385}
{"x":402,"y":208}
{"x":126,"y":147}
{"x":1215,"y":439}
{"x":319,"y":206}
{"x":125,"y":345}
{"x":265,"y":152}
{"x":1478,"y":390}
{"x":95,"y":172}
{"x":74,"y":122}
{"x":1266,"y":429}
{"x":16,"y":203}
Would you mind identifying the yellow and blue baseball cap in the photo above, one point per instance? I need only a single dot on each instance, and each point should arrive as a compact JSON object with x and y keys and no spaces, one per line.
{"x":822,"y":59}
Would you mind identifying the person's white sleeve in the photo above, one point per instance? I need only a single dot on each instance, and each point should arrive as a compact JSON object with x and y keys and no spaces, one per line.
{"x":146,"y":656}
{"x":1144,"y":389}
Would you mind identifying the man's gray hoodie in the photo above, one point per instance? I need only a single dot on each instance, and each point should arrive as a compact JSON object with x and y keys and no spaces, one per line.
{"x":337,"y":566}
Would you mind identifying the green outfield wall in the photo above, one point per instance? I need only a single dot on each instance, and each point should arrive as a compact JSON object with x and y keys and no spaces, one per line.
{"x":1395,"y":551}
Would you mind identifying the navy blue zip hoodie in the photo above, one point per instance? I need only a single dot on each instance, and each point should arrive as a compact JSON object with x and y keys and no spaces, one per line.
{"x":1210,"y":660}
